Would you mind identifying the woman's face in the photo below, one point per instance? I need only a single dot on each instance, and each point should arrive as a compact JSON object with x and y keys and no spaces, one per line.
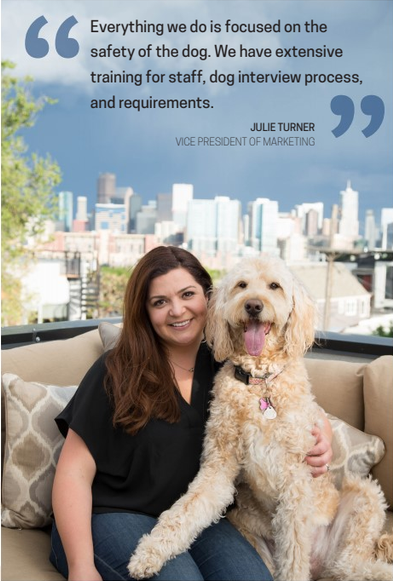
{"x":177,"y":308}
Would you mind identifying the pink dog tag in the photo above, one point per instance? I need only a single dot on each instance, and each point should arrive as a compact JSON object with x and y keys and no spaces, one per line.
{"x":268,"y":410}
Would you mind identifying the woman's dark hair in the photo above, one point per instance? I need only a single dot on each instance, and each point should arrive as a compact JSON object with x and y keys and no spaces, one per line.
{"x":140,"y":380}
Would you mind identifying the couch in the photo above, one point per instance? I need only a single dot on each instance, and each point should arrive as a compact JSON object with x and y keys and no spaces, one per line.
{"x":39,"y":379}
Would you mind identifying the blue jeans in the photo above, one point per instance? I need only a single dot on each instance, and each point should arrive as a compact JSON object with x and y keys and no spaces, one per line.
{"x":220,"y":553}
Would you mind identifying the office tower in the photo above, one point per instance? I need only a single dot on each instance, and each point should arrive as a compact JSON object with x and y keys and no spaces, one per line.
{"x":213,"y":225}
{"x":228,"y":214}
{"x":164,"y":207}
{"x":302,"y":210}
{"x":264,"y":225}
{"x":349,"y":218}
{"x":386,"y":227}
{"x":182,"y":194}
{"x":311,"y":223}
{"x":202,"y":227}
{"x":370,"y":230}
{"x":134,"y":206}
{"x":106,"y":188}
{"x":246,"y":229}
{"x":81,"y":208}
{"x":119,"y":195}
{"x":146,"y":218}
{"x":111,"y":217}
{"x":66,"y":211}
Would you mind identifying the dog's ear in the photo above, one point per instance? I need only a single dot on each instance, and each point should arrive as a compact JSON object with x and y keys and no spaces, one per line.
{"x":217,"y":330}
{"x":300,"y":328}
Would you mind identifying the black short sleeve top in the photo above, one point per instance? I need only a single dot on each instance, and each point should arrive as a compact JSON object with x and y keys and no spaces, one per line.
{"x":149,"y":471}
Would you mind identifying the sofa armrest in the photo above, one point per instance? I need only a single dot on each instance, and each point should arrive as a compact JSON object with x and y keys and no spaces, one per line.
{"x":378,"y":401}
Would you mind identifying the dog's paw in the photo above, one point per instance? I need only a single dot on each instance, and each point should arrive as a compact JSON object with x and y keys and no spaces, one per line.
{"x":146,"y":561}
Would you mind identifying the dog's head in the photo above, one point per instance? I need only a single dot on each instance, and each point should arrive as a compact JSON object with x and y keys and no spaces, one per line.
{"x":259,"y":309}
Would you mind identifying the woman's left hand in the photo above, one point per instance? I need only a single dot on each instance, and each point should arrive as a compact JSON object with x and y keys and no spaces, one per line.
{"x":321,"y":453}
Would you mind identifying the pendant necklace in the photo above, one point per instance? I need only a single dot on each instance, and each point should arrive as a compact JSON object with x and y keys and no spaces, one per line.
{"x":190,"y":370}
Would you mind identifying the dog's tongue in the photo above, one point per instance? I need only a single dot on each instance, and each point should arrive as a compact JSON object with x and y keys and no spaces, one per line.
{"x":254,"y":338}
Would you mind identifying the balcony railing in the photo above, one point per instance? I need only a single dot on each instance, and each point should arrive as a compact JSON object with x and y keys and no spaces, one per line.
{"x":327,"y":344}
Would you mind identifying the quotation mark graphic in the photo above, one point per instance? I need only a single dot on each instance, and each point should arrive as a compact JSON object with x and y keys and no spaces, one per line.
{"x":38,"y":47}
{"x":370,"y":105}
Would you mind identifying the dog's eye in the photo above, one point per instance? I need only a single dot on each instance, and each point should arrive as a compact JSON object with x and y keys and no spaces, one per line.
{"x":274,"y":285}
{"x":242,"y":284}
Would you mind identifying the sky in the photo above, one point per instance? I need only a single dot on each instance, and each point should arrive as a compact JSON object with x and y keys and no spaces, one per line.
{"x":140,"y":147}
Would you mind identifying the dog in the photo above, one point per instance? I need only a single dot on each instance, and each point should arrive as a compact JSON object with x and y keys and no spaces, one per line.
{"x":261,"y":323}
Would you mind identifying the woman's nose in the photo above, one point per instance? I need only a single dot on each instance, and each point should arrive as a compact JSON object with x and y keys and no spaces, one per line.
{"x":177,"y":308}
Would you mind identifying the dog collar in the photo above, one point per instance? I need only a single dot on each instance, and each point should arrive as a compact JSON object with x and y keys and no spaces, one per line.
{"x":249,"y":379}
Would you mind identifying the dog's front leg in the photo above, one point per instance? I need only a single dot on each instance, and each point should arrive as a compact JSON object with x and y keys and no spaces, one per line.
{"x":292,"y":527}
{"x":207,"y":497}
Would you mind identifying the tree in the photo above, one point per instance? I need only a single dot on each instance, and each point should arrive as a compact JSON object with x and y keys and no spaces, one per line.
{"x":382,"y":331}
{"x":28,"y":182}
{"x":113,"y":282}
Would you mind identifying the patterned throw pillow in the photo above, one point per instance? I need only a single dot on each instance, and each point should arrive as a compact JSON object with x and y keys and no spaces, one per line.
{"x":109,"y":334}
{"x":354,"y":451}
{"x":32,"y":448}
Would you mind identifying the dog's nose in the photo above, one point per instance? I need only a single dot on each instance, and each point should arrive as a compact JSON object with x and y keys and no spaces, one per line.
{"x":254,"y":307}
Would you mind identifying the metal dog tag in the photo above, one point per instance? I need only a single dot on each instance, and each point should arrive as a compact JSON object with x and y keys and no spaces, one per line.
{"x":270,"y":413}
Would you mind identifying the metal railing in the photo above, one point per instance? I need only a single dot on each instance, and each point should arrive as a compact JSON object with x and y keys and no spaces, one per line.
{"x":367,"y":346}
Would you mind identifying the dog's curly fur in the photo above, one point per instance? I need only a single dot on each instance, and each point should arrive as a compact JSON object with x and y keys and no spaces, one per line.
{"x":302,"y":526}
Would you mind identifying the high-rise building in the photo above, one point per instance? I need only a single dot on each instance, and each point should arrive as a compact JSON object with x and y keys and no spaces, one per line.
{"x":213,"y":225}
{"x":228,"y":224}
{"x":302,"y":211}
{"x":81,"y":208}
{"x":370,"y":230}
{"x":386,"y":227}
{"x":66,"y":211}
{"x":164,"y":207}
{"x":106,"y":188}
{"x":202,"y":227}
{"x":264,"y":225}
{"x":134,"y":206}
{"x":146,"y":218}
{"x":182,"y":194}
{"x":311,"y":223}
{"x":349,"y":216}
{"x":111,"y":217}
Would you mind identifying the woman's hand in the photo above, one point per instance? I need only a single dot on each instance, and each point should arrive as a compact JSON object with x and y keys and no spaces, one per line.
{"x":321,"y":453}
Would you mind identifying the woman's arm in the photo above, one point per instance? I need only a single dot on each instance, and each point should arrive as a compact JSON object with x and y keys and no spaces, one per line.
{"x":72,"y":505}
{"x":321,"y":453}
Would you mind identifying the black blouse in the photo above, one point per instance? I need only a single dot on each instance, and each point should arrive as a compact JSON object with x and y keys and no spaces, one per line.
{"x":148,"y":472}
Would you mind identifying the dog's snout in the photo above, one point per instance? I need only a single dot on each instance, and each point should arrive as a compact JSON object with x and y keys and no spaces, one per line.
{"x":254,"y":307}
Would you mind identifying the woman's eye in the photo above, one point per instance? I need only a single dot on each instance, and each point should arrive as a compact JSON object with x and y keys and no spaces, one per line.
{"x":242,"y":284}
{"x":274,"y":285}
{"x":188,"y":294}
{"x":159,"y":303}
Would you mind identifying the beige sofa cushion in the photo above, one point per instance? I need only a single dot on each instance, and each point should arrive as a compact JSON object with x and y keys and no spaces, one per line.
{"x":56,"y":363}
{"x":26,"y":556}
{"x":338,"y":388}
{"x":378,"y":398}
{"x":32,"y":449}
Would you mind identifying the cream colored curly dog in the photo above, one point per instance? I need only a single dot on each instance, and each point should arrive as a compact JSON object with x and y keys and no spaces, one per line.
{"x":261,"y":322}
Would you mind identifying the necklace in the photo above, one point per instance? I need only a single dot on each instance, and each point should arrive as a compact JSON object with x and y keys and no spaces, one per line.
{"x":190,"y":370}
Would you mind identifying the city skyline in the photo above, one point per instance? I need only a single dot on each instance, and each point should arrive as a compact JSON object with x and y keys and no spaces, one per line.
{"x":326,"y":214}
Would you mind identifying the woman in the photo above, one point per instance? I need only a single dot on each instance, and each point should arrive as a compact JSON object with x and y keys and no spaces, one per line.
{"x":134,"y":434}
